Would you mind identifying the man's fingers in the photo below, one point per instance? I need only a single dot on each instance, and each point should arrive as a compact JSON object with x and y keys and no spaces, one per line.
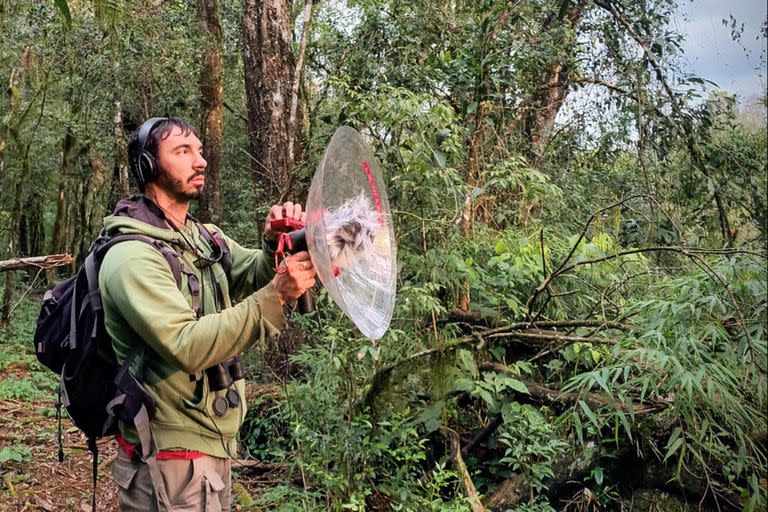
{"x":291,"y":210}
{"x":300,"y":265}
{"x":276,"y":212}
{"x":299,"y":256}
{"x":303,"y":256}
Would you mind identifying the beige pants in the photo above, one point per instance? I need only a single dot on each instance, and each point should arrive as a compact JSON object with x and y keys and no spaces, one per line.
{"x":199,"y":485}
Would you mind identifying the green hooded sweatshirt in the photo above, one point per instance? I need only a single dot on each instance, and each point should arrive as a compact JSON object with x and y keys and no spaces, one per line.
{"x":144,"y":306}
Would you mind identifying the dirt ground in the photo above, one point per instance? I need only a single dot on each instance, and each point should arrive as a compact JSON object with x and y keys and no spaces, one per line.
{"x":39,"y":482}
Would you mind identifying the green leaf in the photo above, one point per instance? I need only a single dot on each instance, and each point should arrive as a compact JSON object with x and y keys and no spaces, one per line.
{"x":431,"y":417}
{"x":578,"y":427}
{"x":463,"y":384}
{"x":672,"y":448}
{"x":589,"y":414}
{"x":63,"y":6}
{"x":467,"y":362}
{"x":440,"y":158}
{"x":516,"y":385}
{"x":597,"y":473}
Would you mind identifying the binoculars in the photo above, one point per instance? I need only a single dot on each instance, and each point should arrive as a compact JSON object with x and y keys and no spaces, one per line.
{"x":221,"y":377}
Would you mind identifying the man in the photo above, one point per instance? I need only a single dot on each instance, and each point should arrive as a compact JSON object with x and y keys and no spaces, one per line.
{"x":188,"y":333}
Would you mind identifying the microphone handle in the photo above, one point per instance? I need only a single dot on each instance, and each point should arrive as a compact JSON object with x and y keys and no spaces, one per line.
{"x":306,"y":302}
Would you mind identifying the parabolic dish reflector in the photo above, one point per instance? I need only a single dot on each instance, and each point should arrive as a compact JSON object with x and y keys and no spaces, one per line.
{"x":350,"y":235}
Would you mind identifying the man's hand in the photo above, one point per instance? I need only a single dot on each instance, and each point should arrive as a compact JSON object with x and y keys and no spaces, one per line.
{"x":295,"y":276}
{"x":288,"y":210}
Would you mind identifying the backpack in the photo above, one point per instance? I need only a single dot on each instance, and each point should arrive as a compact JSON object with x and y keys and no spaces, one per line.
{"x":71,"y":339}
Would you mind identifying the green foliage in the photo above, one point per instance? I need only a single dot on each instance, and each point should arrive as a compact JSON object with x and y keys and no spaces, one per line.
{"x":699,"y":354}
{"x":19,"y":389}
{"x":15,"y":453}
{"x":531,"y":445}
{"x":354,"y":462}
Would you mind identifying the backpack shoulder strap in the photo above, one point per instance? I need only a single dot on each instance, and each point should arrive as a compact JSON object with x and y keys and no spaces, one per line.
{"x":171,"y":256}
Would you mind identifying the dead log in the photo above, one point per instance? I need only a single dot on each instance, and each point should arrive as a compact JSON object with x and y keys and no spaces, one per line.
{"x":508,"y":494}
{"x":39,"y":262}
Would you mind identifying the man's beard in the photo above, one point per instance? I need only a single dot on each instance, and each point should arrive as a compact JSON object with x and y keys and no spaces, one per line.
{"x":175,"y":187}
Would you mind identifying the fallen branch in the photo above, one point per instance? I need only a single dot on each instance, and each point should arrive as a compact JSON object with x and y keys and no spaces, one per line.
{"x":560,"y":400}
{"x":461,"y":468}
{"x":37,"y":262}
{"x":551,"y":336}
{"x":484,"y":434}
{"x":257,"y":465}
{"x":381,"y":377}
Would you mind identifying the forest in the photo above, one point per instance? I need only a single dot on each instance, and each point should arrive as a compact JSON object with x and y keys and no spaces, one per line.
{"x":581,"y":225}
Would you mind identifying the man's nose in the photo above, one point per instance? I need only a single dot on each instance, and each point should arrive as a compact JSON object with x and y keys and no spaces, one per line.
{"x":200,"y":162}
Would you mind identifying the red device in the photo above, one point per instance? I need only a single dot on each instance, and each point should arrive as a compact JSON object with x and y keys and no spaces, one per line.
{"x":292,"y":238}
{"x":286,"y":224}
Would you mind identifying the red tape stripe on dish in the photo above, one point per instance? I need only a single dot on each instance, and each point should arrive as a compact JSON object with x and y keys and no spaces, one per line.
{"x":374,"y":191}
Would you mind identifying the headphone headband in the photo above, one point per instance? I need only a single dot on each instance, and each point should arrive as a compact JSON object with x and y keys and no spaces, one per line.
{"x":141,"y":161}
{"x":146,"y":127}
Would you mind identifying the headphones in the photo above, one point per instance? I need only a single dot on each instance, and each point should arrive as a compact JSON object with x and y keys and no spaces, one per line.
{"x":142,"y":162}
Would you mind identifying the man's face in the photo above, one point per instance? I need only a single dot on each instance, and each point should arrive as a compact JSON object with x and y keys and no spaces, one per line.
{"x":181,"y":165}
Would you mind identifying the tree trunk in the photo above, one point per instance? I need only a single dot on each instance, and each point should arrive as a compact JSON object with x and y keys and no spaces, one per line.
{"x":295,"y":123}
{"x":97,"y":191}
{"x":120,"y":166}
{"x":475,"y":143}
{"x":553,"y":85}
{"x":14,"y":226}
{"x":211,"y":93}
{"x":268,"y":63}
{"x":121,"y":154}
{"x":68,"y":157}
{"x":31,"y":227}
{"x":10,"y":279}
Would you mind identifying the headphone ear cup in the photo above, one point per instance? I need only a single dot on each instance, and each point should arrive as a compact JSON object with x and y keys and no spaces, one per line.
{"x":147,"y":167}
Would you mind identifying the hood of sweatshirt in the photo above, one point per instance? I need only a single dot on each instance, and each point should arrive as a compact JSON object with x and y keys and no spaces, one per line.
{"x":137,"y":214}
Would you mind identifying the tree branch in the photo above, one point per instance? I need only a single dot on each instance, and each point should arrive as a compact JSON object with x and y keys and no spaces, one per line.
{"x":39,"y":262}
{"x":691,"y":252}
{"x":687,"y":128}
{"x":297,"y":80}
{"x":529,"y":304}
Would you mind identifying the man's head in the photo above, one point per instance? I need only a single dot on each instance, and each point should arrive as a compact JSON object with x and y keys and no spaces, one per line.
{"x":167,"y":152}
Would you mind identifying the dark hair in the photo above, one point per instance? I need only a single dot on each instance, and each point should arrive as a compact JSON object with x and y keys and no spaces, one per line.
{"x":161,"y":130}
